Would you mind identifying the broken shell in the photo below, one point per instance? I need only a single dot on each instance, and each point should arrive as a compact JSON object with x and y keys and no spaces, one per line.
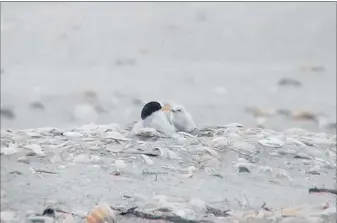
{"x":212,"y":152}
{"x":147,"y":159}
{"x":11,"y":149}
{"x":220,"y":142}
{"x":36,"y":149}
{"x":72,"y":134}
{"x":115,"y":135}
{"x":272,"y":142}
{"x":102,"y":213}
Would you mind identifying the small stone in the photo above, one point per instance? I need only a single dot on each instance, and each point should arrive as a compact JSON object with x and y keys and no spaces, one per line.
{"x":243,"y":169}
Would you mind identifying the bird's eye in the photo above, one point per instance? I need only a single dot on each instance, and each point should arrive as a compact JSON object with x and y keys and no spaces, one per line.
{"x":178,"y":110}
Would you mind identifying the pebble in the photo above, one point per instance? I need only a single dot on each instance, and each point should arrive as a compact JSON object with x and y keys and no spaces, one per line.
{"x":244,"y":167}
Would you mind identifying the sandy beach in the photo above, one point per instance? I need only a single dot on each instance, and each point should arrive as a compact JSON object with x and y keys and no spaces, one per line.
{"x":269,"y":67}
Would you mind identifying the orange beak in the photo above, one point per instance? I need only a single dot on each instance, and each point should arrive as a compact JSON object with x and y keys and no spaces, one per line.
{"x":166,"y":108}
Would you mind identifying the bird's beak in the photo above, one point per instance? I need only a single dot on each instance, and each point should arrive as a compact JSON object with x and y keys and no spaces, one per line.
{"x":166,"y":108}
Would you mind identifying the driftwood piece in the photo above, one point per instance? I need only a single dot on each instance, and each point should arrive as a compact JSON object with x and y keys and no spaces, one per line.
{"x":322,"y":190}
{"x":175,"y":219}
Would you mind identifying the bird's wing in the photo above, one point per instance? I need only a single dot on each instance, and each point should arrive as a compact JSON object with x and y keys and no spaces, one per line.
{"x":159,"y":121}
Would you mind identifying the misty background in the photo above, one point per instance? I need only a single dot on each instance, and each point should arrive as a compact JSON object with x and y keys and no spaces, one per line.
{"x":72,"y":63}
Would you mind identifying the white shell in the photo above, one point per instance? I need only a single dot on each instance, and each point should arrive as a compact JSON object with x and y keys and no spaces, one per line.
{"x":115,"y":135}
{"x":220,"y":142}
{"x":272,"y":142}
{"x":72,"y":134}
{"x":147,"y":159}
{"x":36,"y":149}
{"x":11,"y":149}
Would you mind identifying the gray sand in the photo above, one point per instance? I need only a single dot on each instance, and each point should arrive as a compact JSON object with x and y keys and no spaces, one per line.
{"x":217,"y":59}
{"x":84,"y":162}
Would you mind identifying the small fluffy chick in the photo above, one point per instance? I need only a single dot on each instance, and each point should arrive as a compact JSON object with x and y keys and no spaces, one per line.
{"x":181,"y":119}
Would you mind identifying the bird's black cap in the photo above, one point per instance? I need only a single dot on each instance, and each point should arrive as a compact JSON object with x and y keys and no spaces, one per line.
{"x":49,"y":212}
{"x":149,"y":108}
